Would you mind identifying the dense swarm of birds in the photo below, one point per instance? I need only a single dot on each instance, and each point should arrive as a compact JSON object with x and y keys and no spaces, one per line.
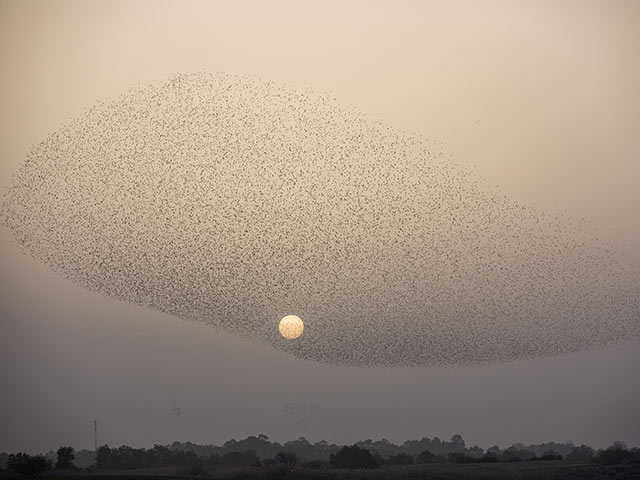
{"x":233,"y":201}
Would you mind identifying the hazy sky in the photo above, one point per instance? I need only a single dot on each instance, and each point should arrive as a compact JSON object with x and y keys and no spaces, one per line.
{"x":541,"y":97}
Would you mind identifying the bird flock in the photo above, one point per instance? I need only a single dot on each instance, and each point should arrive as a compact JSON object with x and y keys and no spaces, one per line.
{"x":234,"y":201}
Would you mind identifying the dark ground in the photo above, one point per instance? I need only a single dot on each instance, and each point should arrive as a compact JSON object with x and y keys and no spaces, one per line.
{"x":497,"y":471}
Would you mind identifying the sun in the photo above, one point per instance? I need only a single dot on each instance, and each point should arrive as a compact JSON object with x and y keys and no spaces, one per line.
{"x":291,"y":327}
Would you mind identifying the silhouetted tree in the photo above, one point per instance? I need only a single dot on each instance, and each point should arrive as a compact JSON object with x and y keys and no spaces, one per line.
{"x":28,"y":465}
{"x":583,"y":453}
{"x":213,"y":460}
{"x":352,"y":457}
{"x":616,"y":453}
{"x":84,"y":458}
{"x":314,"y":465}
{"x":549,"y":455}
{"x":457,"y":457}
{"x":103,"y":454}
{"x":248,"y":458}
{"x":64,"y":458}
{"x":426,"y":457}
{"x":475,"y":451}
{"x":494,"y":451}
{"x":286,"y":458}
{"x":457,"y":442}
{"x":163,"y":456}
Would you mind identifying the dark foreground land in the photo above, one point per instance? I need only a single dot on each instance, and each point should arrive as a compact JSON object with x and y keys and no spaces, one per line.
{"x":446,"y":471}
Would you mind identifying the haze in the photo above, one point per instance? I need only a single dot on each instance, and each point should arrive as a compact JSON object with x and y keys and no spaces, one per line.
{"x":540,"y":97}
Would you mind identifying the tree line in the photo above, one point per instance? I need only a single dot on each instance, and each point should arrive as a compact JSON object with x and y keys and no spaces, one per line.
{"x":197,"y":459}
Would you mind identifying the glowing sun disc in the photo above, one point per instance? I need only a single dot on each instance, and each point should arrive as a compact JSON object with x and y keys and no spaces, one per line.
{"x":291,"y":327}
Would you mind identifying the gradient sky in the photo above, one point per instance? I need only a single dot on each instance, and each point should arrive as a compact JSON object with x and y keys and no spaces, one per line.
{"x":541,"y":97}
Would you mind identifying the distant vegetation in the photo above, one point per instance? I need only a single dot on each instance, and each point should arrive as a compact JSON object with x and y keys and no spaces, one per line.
{"x":263,"y":455}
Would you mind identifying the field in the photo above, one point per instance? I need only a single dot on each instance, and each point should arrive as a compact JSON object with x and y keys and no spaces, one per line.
{"x":496,"y":471}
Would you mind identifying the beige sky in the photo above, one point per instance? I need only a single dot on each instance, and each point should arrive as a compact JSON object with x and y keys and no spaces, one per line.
{"x":541,"y":96}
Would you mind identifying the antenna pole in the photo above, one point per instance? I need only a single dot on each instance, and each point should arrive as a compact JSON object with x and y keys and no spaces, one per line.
{"x":95,"y":435}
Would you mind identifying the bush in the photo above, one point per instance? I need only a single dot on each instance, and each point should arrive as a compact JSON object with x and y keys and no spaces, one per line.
{"x":28,"y":465}
{"x":197,"y":470}
{"x":314,"y":465}
{"x":460,"y":458}
{"x":488,"y":458}
{"x":400,"y":459}
{"x":280,"y":472}
{"x":286,"y":458}
{"x":352,"y":457}
{"x":248,"y":458}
